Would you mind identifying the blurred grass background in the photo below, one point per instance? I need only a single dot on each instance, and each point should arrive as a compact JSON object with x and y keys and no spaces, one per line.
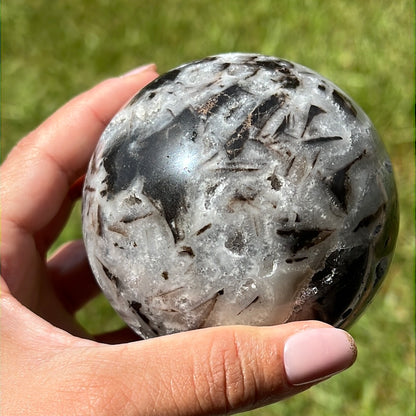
{"x":52,"y":50}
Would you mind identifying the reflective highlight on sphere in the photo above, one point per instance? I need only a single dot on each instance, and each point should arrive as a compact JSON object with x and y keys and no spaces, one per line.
{"x":239,"y":189}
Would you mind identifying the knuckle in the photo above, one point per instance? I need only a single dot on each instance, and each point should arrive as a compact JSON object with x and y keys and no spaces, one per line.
{"x":229,"y":381}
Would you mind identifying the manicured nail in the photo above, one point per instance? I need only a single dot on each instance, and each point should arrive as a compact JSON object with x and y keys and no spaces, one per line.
{"x":138,"y":70}
{"x":316,"y":354}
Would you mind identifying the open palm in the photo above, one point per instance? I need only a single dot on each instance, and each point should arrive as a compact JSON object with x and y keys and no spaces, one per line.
{"x":50,"y":365}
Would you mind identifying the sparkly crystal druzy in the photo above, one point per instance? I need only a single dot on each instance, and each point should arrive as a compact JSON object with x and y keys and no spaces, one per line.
{"x":239,"y":189}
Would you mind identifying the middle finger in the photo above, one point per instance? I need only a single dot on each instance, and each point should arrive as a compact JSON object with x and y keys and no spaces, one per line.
{"x":71,"y":276}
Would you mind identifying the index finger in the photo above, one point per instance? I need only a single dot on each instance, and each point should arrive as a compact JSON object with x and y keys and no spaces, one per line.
{"x":39,"y":171}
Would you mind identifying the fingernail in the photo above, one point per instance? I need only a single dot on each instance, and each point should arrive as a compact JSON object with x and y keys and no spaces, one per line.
{"x":138,"y":70}
{"x":316,"y":354}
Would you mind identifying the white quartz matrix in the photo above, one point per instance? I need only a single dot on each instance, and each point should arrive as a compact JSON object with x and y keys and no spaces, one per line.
{"x":239,"y":189}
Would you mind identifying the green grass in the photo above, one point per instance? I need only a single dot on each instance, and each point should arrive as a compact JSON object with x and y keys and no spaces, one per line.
{"x":52,"y":50}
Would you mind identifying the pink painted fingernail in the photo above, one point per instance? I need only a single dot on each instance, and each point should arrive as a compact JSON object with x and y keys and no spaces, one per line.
{"x":138,"y":70}
{"x":316,"y":354}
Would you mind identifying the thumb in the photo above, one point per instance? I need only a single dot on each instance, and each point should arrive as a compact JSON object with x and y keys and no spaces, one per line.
{"x":216,"y":370}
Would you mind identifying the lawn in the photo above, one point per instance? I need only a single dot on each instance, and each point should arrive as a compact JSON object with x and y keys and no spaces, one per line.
{"x":52,"y":50}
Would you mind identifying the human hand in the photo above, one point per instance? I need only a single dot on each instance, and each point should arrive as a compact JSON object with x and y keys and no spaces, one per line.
{"x":49,"y":365}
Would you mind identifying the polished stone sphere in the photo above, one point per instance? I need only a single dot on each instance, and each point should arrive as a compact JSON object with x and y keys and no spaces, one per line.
{"x":239,"y":189}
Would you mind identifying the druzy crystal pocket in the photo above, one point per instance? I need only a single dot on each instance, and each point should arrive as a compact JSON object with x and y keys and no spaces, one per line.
{"x":239,"y":189}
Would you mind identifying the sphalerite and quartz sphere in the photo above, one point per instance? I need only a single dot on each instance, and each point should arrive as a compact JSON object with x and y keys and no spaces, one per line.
{"x":239,"y":189}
